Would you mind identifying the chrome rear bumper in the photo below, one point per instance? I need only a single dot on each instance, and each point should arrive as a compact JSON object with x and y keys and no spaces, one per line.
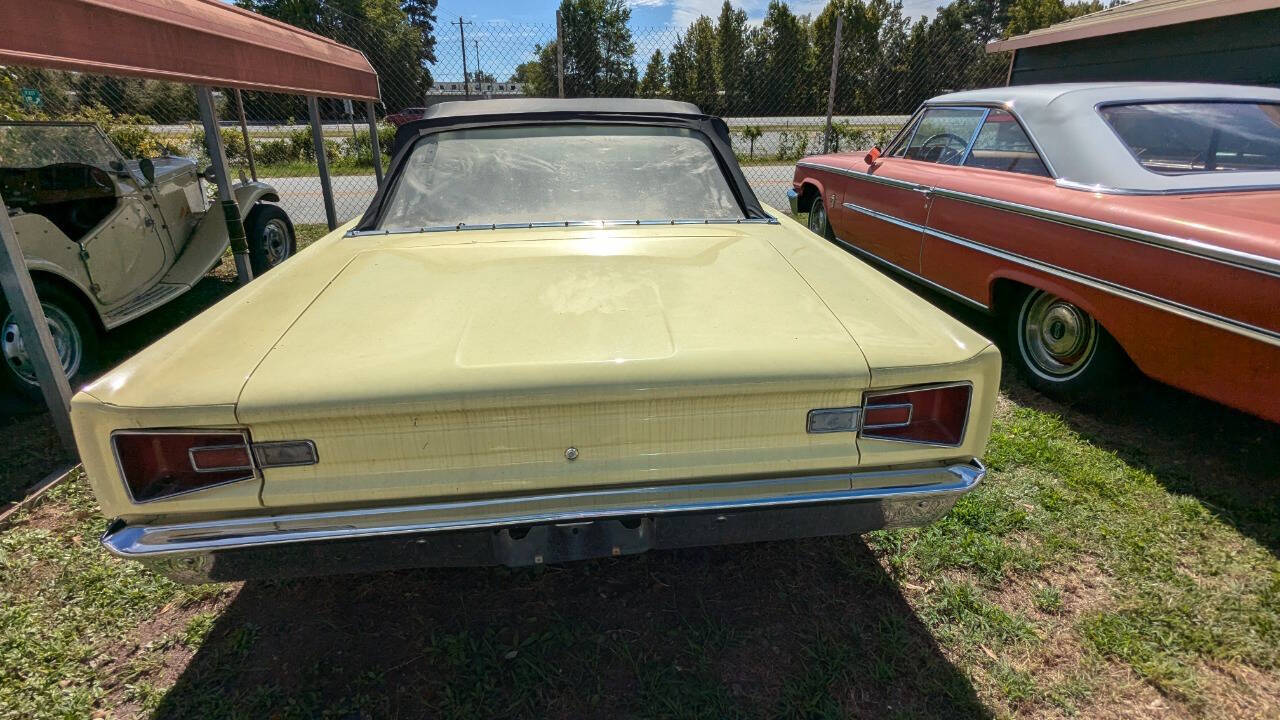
{"x":531,"y":530}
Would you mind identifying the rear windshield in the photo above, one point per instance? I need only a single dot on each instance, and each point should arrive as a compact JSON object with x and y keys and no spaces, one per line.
{"x":1194,"y":137}
{"x":555,"y":173}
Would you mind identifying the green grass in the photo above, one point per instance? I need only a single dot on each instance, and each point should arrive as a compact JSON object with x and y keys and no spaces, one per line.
{"x":1072,"y":581}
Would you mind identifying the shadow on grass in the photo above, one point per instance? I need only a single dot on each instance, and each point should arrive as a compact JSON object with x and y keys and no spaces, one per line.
{"x":810,"y":628}
{"x":1227,"y":459}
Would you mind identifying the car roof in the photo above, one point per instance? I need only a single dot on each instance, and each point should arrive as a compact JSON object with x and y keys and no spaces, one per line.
{"x":509,"y":106}
{"x":1080,"y":146}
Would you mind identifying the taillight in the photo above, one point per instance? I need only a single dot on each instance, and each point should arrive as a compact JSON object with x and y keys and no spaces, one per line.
{"x":160,"y":464}
{"x":933,"y":414}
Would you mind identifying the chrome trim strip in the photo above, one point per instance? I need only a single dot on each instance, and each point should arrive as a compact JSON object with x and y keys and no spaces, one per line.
{"x":1221,"y":322}
{"x":1107,"y":190}
{"x":1251,"y":331}
{"x":891,"y":182}
{"x":884,"y":217}
{"x":973,"y":139}
{"x":460,"y":227}
{"x":1170,"y":242}
{"x":870,"y":257}
{"x":150,"y":541}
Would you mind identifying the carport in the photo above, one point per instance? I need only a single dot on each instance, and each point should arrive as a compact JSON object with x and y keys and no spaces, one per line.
{"x":203,"y":43}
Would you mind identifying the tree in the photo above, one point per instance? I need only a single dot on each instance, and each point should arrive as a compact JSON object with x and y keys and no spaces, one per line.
{"x":702,"y":87}
{"x":529,"y":75}
{"x":654,"y":82}
{"x":1028,"y":15}
{"x":396,"y":36}
{"x":597,"y":51}
{"x":789,"y":83}
{"x":731,"y":58}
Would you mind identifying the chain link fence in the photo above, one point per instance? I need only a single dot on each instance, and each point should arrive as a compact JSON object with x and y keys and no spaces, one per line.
{"x":770,"y":82}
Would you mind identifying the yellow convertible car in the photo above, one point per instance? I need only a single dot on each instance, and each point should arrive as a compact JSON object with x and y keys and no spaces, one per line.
{"x":562,"y":330}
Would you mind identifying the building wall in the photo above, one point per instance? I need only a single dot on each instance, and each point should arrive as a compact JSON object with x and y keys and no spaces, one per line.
{"x":1240,"y":49}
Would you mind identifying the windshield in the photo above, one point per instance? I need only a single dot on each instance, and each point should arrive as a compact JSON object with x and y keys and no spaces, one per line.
{"x":37,"y":145}
{"x":1194,"y":137}
{"x":555,"y":173}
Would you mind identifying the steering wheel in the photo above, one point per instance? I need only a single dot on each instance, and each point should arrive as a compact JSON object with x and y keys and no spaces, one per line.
{"x":950,"y":147}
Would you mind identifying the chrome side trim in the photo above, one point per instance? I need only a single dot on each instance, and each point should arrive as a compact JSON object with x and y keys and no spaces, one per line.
{"x":1169,"y":242}
{"x":565,"y":224}
{"x":891,"y":182}
{"x":153,"y":541}
{"x":1221,"y":322}
{"x":1108,"y":190}
{"x":870,"y":257}
{"x":1253,"y":332}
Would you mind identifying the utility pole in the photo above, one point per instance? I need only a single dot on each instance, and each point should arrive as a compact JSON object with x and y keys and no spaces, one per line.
{"x":560,"y":52}
{"x":831,"y":93}
{"x":462,"y":35}
{"x":479,"y":77}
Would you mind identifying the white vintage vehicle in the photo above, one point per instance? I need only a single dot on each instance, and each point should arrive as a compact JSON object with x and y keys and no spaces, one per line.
{"x":108,"y":239}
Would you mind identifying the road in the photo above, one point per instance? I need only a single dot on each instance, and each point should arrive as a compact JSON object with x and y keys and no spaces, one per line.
{"x":301,"y":198}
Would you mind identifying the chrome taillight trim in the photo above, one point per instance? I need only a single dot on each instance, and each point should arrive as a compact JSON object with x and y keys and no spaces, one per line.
{"x":263,"y":463}
{"x":888,"y":426}
{"x":191,"y":456}
{"x":964,"y":429}
{"x":115,"y":453}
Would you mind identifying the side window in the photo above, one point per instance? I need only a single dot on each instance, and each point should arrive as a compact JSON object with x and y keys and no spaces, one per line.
{"x":943,"y":135}
{"x":1002,"y":145}
{"x":899,"y":147}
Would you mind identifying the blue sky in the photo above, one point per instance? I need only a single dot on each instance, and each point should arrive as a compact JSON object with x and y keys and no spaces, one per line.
{"x":507,"y":32}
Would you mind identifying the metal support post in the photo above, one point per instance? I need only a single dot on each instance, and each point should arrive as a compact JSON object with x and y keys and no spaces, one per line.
{"x":831,"y":93}
{"x":373,"y":140}
{"x":560,"y":52}
{"x":222,"y":177}
{"x":322,"y":161}
{"x":244,"y":130}
{"x":34,"y":330}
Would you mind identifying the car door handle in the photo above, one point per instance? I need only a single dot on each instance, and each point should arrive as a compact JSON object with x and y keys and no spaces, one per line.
{"x":927,"y":192}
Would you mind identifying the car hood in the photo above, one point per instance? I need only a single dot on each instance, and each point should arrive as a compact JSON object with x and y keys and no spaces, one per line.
{"x":611,"y":312}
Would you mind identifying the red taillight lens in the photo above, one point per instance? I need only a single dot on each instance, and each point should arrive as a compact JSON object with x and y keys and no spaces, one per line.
{"x":160,"y":464}
{"x":932,"y":414}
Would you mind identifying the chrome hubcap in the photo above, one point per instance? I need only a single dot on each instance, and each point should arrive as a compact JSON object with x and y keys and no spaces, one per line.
{"x":275,"y":242}
{"x":1057,"y":337}
{"x":818,"y":218}
{"x":66,"y":340}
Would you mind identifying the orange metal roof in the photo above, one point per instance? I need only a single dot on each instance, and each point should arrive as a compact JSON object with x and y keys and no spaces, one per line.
{"x":1139,"y":15}
{"x":201,"y":42}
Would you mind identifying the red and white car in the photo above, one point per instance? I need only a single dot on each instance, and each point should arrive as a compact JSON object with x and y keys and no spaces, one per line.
{"x":1098,"y":220}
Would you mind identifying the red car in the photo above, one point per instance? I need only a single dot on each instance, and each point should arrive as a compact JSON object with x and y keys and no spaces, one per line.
{"x":406,"y":115}
{"x":1102,"y":223}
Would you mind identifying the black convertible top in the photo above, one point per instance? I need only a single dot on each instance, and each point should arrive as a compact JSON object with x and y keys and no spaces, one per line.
{"x":541,"y":111}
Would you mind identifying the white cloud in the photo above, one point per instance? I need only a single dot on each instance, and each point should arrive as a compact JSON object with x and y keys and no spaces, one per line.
{"x":648,"y":3}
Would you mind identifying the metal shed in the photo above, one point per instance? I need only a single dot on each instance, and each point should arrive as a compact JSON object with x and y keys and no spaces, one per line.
{"x":204,"y":43}
{"x":1222,"y":41}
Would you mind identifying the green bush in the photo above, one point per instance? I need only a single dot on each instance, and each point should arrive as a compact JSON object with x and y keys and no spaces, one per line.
{"x":359,"y":149}
{"x":792,"y":145}
{"x":300,"y":140}
{"x":273,"y":152}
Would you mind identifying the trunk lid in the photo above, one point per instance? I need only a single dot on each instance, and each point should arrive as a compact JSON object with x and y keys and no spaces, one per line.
{"x":470,"y":368}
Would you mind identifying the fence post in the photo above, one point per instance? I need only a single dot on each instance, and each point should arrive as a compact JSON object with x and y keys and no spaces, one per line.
{"x":831,"y":93}
{"x":244,"y":130}
{"x":34,"y":330}
{"x":227,"y":196}
{"x":560,"y":53}
{"x":373,"y":140}
{"x":322,"y":161}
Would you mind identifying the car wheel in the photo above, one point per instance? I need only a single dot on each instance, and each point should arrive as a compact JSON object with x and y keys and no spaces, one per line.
{"x":1061,"y":349}
{"x":270,"y":236}
{"x":818,"y":222}
{"x":75,"y":336}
